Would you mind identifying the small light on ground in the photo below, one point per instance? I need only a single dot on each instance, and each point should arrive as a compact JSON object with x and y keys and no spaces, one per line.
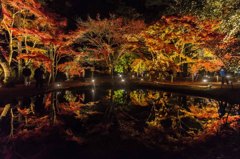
{"x":58,"y":84}
{"x":123,"y":80}
{"x":205,"y":80}
{"x":93,"y":80}
{"x":141,"y":79}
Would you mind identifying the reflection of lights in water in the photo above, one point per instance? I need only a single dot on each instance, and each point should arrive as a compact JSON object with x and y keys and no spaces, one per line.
{"x":210,"y":86}
{"x":93,"y":80}
{"x":141,"y":79}
{"x":123,"y":80}
{"x":205,"y":80}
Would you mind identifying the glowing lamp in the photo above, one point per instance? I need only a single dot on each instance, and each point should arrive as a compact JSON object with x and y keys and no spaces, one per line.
{"x":58,"y":84}
{"x":205,"y":80}
{"x":228,"y":76}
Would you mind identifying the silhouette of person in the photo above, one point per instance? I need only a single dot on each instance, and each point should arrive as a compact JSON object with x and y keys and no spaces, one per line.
{"x":26,"y":74}
{"x":222,"y":108}
{"x":38,"y":75}
{"x":39,"y":104}
{"x":223,"y":74}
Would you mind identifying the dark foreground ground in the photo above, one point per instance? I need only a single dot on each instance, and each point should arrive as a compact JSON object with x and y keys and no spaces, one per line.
{"x":55,"y":148}
{"x":110,"y":145}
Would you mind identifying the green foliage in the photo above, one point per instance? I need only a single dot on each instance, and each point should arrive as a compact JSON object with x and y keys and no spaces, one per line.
{"x":139,"y":66}
{"x":124,"y":62}
{"x":227,"y":11}
{"x":69,"y":96}
{"x":119,"y":97}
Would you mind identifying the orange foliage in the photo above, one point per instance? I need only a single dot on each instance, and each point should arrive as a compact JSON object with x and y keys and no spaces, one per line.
{"x":72,"y":68}
{"x":24,"y":111}
{"x":208,"y":65}
{"x":111,"y":36}
{"x":177,"y":39}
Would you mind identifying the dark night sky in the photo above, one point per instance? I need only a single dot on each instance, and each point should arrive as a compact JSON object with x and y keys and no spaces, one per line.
{"x":82,"y":8}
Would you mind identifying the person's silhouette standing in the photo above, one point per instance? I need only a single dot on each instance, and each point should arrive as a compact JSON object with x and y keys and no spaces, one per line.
{"x":223,"y":74}
{"x":39,"y":105}
{"x":38,"y":75}
{"x":222,"y":108}
{"x":26,"y":74}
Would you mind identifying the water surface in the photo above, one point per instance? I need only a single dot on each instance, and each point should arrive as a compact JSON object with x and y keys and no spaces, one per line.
{"x":110,"y":122}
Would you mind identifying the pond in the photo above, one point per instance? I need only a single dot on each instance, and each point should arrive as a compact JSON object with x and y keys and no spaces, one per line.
{"x":111,"y":123}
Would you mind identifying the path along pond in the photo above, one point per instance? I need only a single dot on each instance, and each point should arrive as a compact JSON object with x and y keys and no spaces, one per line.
{"x":110,"y":121}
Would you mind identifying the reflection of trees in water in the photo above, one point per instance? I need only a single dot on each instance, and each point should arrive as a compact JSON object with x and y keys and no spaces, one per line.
{"x":138,"y":97}
{"x":155,"y":118}
{"x":174,"y":119}
{"x":119,"y":97}
{"x":29,"y":116}
{"x":46,"y":117}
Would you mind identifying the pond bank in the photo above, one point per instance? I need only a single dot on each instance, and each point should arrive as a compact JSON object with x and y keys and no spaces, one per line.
{"x":227,"y":93}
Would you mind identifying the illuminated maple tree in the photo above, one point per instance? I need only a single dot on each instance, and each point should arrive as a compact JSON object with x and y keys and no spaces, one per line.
{"x":37,"y":36}
{"x":106,"y":38}
{"x":23,"y":23}
{"x":227,"y":11}
{"x":174,"y":41}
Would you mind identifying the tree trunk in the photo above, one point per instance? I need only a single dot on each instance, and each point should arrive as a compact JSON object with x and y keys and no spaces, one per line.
{"x":19,"y":61}
{"x":112,"y":72}
{"x":54,"y":111}
{"x":10,"y":48}
{"x":6,"y":70}
{"x":52,"y":75}
{"x":53,"y":72}
{"x":20,"y":69}
{"x":52,"y":53}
